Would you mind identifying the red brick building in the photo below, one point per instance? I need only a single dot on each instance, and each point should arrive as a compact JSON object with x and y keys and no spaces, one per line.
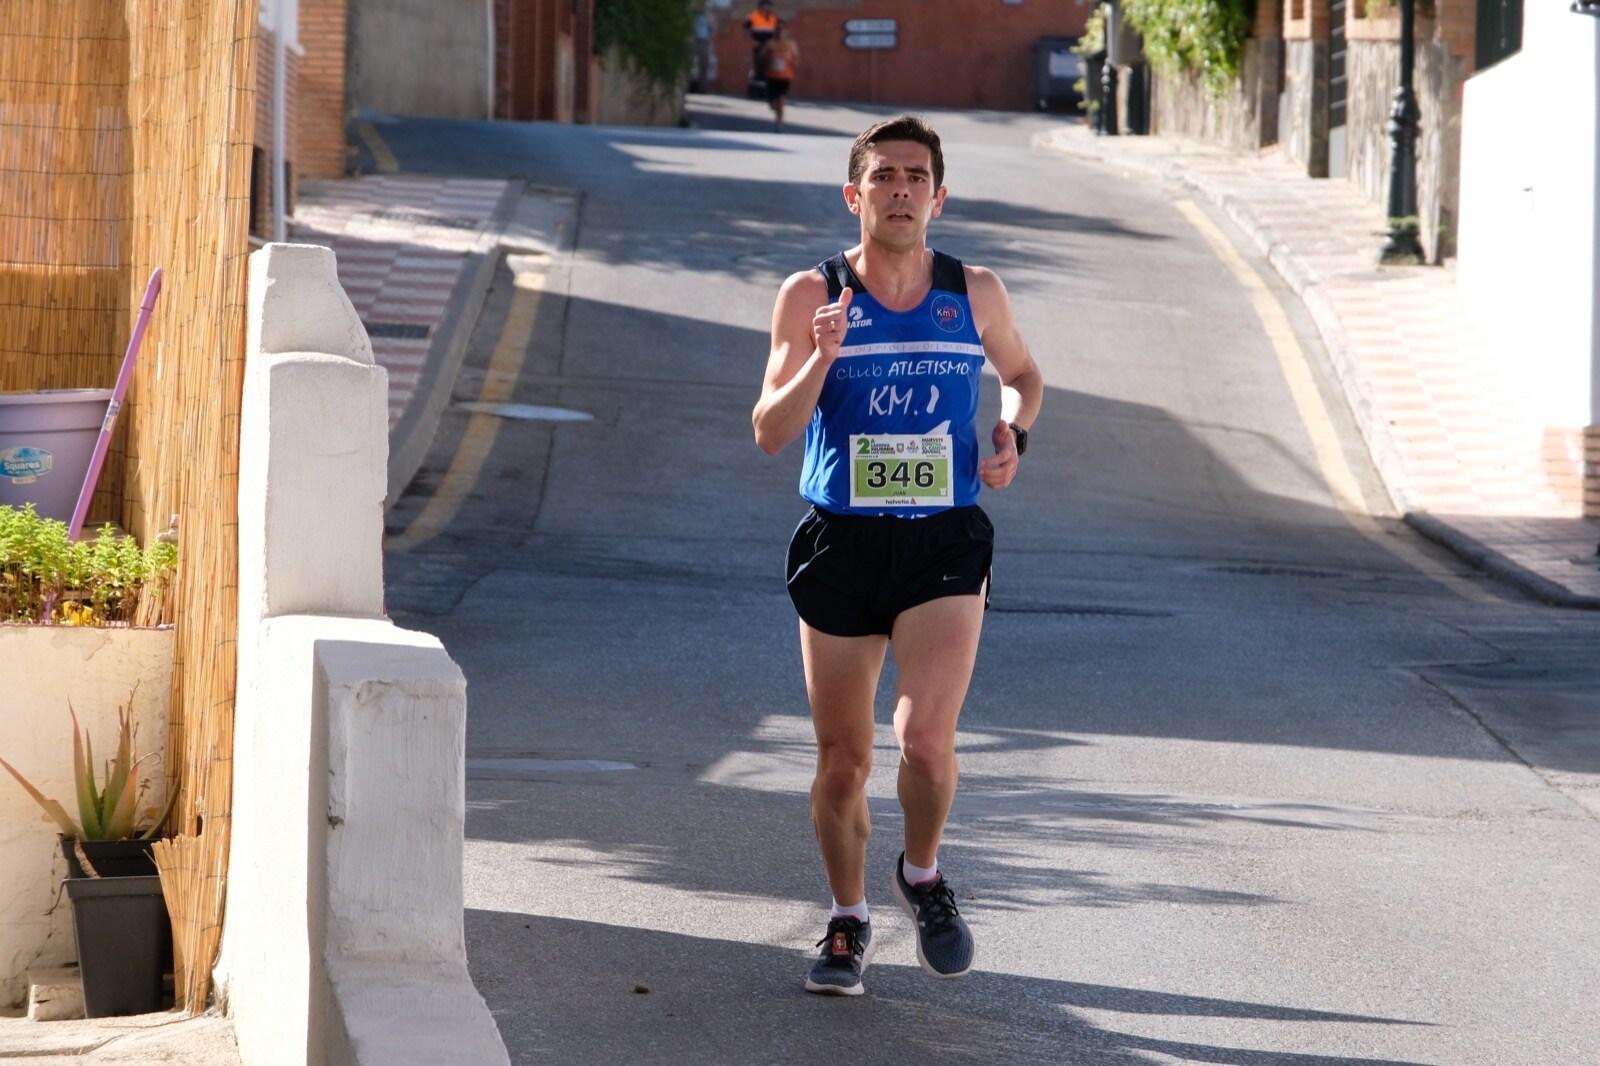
{"x":953,"y":53}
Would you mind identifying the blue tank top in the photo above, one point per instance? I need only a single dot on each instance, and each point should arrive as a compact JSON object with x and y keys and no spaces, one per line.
{"x":894,"y":430}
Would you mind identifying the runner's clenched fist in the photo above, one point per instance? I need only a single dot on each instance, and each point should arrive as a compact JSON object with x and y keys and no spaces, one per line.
{"x":830,"y":323}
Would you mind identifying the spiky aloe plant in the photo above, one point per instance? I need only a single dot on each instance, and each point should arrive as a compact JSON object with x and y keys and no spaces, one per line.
{"x":104,"y":813}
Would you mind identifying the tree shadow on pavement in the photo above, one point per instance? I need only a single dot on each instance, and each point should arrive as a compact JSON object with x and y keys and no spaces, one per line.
{"x":631,"y":824}
{"x":584,"y":991}
{"x":711,"y":221}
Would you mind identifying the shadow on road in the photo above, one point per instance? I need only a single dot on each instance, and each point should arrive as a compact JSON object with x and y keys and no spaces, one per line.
{"x":648,"y":1004}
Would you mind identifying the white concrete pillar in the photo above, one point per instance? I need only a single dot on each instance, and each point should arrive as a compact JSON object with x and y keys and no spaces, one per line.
{"x":313,"y":445}
{"x":344,"y":940}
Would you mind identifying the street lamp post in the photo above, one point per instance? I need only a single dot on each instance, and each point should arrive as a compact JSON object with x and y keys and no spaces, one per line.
{"x":1402,"y":245}
{"x":1108,"y":97}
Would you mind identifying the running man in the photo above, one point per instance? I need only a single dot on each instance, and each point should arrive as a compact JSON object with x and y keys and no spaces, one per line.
{"x":761,"y":24}
{"x":876,"y":357}
{"x":778,"y":63}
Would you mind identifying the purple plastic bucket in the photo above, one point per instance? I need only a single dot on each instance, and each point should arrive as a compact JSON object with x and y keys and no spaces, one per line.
{"x":46,"y":441}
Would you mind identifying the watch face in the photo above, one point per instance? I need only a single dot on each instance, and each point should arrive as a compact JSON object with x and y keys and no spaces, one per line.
{"x":1022,"y":437}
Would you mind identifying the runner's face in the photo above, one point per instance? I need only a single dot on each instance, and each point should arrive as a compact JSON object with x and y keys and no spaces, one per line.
{"x":896,"y":198}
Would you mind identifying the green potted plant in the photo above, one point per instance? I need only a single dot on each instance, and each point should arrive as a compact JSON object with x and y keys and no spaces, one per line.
{"x":118,"y":912}
{"x":82,"y":622}
{"x":105,"y":578}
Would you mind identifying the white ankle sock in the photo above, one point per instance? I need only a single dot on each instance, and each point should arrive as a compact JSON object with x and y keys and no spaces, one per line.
{"x":858,"y":911}
{"x":915,"y":875}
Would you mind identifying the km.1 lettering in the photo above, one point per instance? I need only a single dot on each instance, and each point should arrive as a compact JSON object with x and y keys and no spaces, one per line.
{"x":885,"y":400}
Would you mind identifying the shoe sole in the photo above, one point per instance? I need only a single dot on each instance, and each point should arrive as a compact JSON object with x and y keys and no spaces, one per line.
{"x":840,"y":990}
{"x":911,"y":912}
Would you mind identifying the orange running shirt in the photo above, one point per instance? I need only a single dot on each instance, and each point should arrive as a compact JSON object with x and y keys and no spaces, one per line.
{"x":781,"y":56}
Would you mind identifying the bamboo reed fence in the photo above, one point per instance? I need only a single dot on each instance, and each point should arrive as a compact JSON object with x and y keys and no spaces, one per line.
{"x":125,"y":144}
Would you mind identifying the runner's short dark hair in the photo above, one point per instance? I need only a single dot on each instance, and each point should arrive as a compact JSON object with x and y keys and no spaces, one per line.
{"x":901,"y":128}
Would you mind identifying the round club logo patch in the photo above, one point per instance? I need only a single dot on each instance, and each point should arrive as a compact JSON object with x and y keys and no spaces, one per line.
{"x":947,"y":312}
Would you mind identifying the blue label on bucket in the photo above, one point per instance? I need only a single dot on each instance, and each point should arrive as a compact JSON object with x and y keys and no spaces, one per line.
{"x":22,"y":465}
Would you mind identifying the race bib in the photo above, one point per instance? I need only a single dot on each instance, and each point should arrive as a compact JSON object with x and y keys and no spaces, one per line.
{"x":900,"y":470}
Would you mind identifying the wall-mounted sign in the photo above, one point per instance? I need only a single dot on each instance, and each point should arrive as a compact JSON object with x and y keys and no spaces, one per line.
{"x":869,"y":40}
{"x":872,"y":26}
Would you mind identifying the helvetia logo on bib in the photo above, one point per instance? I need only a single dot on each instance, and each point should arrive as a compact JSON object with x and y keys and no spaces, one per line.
{"x":947,"y":312}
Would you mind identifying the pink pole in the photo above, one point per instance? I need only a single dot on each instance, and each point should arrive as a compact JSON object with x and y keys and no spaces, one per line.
{"x":114,"y":408}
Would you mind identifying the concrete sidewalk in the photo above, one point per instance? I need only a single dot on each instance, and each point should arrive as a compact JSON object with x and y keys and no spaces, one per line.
{"x":415,"y":255}
{"x":140,"y":1040}
{"x":1460,"y":458}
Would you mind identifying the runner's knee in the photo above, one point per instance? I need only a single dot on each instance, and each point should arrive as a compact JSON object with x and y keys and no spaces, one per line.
{"x":929,"y":752}
{"x":842,"y":772}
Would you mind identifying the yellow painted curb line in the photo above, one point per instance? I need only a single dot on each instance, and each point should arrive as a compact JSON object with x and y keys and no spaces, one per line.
{"x":498,"y":384}
{"x":1336,"y":473}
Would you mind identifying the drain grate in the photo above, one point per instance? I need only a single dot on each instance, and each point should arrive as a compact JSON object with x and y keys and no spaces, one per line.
{"x":1276,"y":571}
{"x":397,"y":330}
{"x":421,"y":218}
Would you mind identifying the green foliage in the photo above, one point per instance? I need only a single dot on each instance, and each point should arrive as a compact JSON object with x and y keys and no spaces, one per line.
{"x":105,"y":813}
{"x":654,"y":38}
{"x":97,"y":580}
{"x":1204,"y":36}
{"x":1091,"y":44}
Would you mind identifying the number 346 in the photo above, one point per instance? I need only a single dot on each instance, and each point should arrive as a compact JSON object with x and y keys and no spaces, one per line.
{"x":901,"y":472}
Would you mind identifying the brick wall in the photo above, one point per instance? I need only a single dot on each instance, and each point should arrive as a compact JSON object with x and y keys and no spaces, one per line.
{"x":956,"y":53}
{"x":261,"y":217}
{"x":1305,"y":20}
{"x":542,"y":52}
{"x":321,"y":147}
{"x":1562,"y":455}
{"x":1591,"y":472}
{"x":1456,"y":24}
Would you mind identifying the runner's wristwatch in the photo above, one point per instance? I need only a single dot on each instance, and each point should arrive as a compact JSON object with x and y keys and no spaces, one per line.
{"x":1021,"y":435}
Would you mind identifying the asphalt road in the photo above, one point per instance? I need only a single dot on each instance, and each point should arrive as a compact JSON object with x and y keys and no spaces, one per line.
{"x":1240,"y":784}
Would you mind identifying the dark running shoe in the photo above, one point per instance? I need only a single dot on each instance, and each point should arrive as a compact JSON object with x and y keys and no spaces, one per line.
{"x":944,"y":943}
{"x":846,"y":950}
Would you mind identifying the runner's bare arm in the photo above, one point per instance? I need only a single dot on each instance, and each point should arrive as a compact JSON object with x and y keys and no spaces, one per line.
{"x":806,"y":332}
{"x":1021,"y":384}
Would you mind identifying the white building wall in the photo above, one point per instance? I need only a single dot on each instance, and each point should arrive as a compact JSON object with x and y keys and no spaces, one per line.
{"x":1530,"y":211}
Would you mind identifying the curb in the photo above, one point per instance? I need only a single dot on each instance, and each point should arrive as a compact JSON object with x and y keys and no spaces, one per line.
{"x":1307,"y":285}
{"x":412,"y":436}
{"x":1301,"y":280}
{"x":1486,"y":558}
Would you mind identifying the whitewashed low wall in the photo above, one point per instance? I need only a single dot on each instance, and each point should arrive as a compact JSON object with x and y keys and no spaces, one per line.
{"x":344,"y":941}
{"x":47,"y":667}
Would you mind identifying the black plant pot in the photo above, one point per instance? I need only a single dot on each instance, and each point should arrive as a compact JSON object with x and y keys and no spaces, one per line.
{"x":110,"y":858}
{"x":122,"y":929}
{"x":117,"y":858}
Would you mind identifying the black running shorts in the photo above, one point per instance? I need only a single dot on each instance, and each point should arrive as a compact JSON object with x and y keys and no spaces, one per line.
{"x":851,"y":575}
